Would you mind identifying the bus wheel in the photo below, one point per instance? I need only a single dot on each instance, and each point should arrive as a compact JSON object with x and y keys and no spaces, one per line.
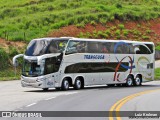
{"x":137,"y":81}
{"x":45,"y":89}
{"x":77,"y":84}
{"x":129,"y":81}
{"x":65,"y":84}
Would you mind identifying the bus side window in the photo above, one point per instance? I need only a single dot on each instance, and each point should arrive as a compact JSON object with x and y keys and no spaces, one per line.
{"x":52,"y":48}
{"x":51,"y":66}
{"x":125,"y":49}
{"x":143,"y":50}
{"x":81,"y":47}
{"x":131,"y":49}
{"x":111,"y":50}
{"x":119,"y":49}
{"x":103,"y":48}
{"x":92,"y":47}
{"x":72,"y":47}
{"x":150,"y":46}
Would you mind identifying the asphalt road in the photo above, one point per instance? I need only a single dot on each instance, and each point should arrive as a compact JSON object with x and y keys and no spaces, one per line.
{"x":100,"y":98}
{"x":97,"y":98}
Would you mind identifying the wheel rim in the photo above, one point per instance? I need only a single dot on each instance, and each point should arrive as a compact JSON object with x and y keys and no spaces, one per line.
{"x":78,"y":84}
{"x":138,"y":81}
{"x":66,"y":84}
{"x":129,"y":82}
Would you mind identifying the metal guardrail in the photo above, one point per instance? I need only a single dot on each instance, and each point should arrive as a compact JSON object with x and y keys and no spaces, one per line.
{"x":157,"y":55}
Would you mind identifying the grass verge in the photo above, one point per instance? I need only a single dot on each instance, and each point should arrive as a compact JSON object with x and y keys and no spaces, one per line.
{"x":9,"y":74}
{"x":157,"y":74}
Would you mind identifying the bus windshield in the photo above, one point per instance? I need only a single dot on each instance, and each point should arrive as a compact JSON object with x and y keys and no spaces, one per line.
{"x":40,"y":47}
{"x":31,"y":69}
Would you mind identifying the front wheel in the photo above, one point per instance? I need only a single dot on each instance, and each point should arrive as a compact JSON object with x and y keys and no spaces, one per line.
{"x":65,"y":84}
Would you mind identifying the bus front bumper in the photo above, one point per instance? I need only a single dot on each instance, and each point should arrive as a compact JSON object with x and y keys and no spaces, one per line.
{"x":32,"y":82}
{"x":35,"y":85}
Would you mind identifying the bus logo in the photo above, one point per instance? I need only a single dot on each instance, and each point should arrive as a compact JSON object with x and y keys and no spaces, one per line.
{"x":94,"y":57}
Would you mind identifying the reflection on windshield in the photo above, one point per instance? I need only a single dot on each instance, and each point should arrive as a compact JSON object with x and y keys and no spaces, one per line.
{"x":40,"y":47}
{"x":32,"y":69}
{"x":57,"y":46}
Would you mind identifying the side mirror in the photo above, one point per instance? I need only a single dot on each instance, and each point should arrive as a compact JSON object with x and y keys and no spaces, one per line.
{"x":15,"y":62}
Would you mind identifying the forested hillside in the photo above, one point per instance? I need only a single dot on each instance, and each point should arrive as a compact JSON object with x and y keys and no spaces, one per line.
{"x":28,"y":19}
{"x":23,"y":20}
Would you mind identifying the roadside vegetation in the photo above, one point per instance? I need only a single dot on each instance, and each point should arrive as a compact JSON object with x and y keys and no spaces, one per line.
{"x":119,"y":32}
{"x":157,"y":74}
{"x":23,"y":20}
{"x":28,"y":19}
{"x":7,"y":71}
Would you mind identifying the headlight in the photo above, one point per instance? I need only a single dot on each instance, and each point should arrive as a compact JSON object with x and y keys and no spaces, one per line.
{"x":40,"y":79}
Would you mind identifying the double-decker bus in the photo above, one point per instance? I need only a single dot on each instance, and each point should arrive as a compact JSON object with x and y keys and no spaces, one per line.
{"x":73,"y":62}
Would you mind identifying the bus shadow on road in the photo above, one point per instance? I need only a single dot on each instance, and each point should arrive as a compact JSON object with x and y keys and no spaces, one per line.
{"x":132,"y":87}
{"x":95,"y":88}
{"x":71,"y":89}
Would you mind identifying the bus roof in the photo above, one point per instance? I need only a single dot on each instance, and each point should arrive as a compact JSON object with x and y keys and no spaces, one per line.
{"x":85,"y":39}
{"x":53,"y":38}
{"x":102,"y":40}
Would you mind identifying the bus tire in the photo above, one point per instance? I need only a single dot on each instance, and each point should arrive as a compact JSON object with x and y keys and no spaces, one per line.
{"x":45,"y":89}
{"x":137,"y":81}
{"x":129,"y":81}
{"x":77,"y":84}
{"x":65,"y":84}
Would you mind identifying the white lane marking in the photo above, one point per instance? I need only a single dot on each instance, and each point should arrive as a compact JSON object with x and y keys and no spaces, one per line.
{"x":60,"y":95}
{"x":50,"y":98}
{"x":31,"y":104}
{"x":70,"y":93}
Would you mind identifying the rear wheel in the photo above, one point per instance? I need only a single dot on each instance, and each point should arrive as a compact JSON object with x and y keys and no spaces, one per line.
{"x":65,"y":84}
{"x":137,"y":81}
{"x":78,"y":84}
{"x":129,"y":81}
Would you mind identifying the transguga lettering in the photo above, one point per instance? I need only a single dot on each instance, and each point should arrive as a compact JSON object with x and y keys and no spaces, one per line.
{"x":94,"y":57}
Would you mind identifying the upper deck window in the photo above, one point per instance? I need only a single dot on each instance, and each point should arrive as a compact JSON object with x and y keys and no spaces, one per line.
{"x":57,"y":46}
{"x":76,"y":46}
{"x":40,"y":47}
{"x":144,"y":49}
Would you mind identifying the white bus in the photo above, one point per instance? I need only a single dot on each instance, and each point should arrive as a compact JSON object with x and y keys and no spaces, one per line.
{"x":73,"y":62}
